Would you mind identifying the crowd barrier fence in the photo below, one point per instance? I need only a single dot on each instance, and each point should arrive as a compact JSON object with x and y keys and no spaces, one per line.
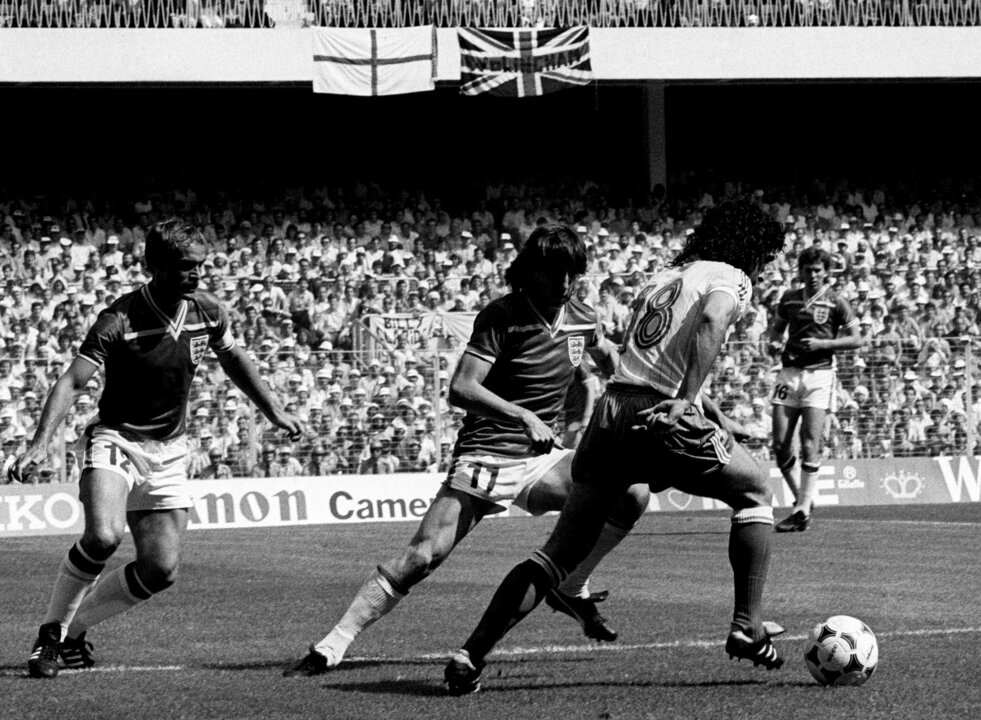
{"x":207,"y":14}
{"x":890,"y":401}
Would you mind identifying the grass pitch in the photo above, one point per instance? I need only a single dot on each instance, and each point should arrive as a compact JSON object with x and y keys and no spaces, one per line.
{"x":248,"y":602}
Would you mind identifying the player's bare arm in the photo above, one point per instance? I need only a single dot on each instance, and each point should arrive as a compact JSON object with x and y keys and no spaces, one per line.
{"x":848,"y":339}
{"x":243,"y":373}
{"x":713,"y":412}
{"x":710,"y":334}
{"x":467,"y":392}
{"x":604,"y":354}
{"x":777,"y":329}
{"x":59,"y":401}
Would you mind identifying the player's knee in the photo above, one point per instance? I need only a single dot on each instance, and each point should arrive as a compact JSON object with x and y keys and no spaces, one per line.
{"x":750,"y":490}
{"x":101,"y":543}
{"x":633,"y":505}
{"x":160,"y":575}
{"x":783,"y":448}
{"x":810,"y":451}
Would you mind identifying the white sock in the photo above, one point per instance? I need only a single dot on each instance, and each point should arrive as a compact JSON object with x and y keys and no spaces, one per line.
{"x":577,"y":584}
{"x":76,"y":576}
{"x":373,"y":601}
{"x":808,"y":479}
{"x":116,"y":593}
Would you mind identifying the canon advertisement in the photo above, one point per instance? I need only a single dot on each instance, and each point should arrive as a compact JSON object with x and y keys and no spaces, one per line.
{"x":266,"y":502}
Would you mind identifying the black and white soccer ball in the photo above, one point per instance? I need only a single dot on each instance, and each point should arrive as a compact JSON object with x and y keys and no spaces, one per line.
{"x":840,"y":651}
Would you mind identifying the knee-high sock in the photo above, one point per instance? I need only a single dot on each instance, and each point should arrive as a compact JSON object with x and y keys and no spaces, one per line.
{"x":749,"y":556}
{"x":78,"y":572}
{"x":792,"y":475}
{"x":377,"y":597}
{"x":577,"y":584}
{"x":808,"y":479}
{"x":518,"y":594}
{"x":116,"y":593}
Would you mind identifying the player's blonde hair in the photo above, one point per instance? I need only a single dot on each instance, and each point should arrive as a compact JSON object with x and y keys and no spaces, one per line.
{"x":167,"y":240}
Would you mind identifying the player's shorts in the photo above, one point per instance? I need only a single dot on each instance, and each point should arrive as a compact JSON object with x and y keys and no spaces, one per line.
{"x":612,"y":453}
{"x":501,"y":480}
{"x":153,"y":469}
{"x":799,"y":388}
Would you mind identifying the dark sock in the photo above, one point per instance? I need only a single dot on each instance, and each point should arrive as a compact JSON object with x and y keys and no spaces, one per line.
{"x":749,"y":556}
{"x":517,"y":595}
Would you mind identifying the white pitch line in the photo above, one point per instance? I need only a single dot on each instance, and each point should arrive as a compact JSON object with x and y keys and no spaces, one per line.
{"x":556,"y":649}
{"x":955,"y":523}
{"x":524,"y":651}
{"x":131,"y":668}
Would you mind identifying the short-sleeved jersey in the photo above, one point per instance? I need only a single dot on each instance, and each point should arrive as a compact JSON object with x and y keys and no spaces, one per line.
{"x":664,"y":320}
{"x":819,"y":317}
{"x":532,"y":364}
{"x":148,"y":359}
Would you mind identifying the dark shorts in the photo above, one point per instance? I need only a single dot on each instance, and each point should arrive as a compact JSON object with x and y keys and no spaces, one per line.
{"x":611,"y":453}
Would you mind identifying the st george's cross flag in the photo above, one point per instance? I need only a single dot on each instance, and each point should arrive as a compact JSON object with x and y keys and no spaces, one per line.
{"x":525,"y":62}
{"x":374,"y":61}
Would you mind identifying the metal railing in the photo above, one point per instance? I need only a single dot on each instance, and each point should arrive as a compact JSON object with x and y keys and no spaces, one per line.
{"x":386,"y":410}
{"x":207,"y":14}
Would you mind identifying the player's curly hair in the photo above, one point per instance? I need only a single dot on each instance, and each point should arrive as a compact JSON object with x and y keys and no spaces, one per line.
{"x":551,"y":246}
{"x":814,"y":254}
{"x":738,"y":233}
{"x":167,"y":240}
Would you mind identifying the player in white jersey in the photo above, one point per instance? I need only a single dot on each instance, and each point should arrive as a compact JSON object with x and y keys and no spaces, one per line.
{"x":653,"y":415}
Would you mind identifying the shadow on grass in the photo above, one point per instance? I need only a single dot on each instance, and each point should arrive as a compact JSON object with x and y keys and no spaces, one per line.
{"x":433,"y":688}
{"x":346,"y":665}
{"x":680,"y":532}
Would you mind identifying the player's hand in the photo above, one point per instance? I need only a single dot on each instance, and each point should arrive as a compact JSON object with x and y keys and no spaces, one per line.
{"x":290,"y":423}
{"x":25,"y":463}
{"x":737,"y":430}
{"x":775,"y":347}
{"x":541,"y":436}
{"x":812,"y":344}
{"x":663,"y":416}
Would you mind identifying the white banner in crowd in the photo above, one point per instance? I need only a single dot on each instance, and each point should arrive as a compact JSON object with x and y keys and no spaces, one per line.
{"x":270,"y":502}
{"x":414,"y":327}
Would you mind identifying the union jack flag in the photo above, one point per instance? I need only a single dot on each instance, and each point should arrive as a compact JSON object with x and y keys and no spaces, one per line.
{"x":523,"y":63}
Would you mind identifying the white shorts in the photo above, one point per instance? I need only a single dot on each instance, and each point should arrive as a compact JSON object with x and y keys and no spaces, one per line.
{"x":153,"y":469}
{"x":501,"y":480}
{"x":805,"y":388}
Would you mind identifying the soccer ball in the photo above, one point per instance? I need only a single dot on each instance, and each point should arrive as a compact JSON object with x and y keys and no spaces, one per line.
{"x":841,"y":651}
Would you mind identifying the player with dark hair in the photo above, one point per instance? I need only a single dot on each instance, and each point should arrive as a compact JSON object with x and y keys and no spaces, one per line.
{"x":820,"y":322}
{"x":653,"y":415}
{"x":148,"y":344}
{"x":511,"y":380}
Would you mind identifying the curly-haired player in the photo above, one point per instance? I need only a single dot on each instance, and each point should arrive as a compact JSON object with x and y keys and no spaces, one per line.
{"x":653,"y":415}
{"x":820,"y":322}
{"x":512,"y":381}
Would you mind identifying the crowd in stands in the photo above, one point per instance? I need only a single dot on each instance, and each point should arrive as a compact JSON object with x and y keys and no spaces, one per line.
{"x":300,"y":272}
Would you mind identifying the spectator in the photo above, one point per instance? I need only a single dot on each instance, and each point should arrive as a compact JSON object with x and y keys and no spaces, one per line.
{"x":216,"y":469}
